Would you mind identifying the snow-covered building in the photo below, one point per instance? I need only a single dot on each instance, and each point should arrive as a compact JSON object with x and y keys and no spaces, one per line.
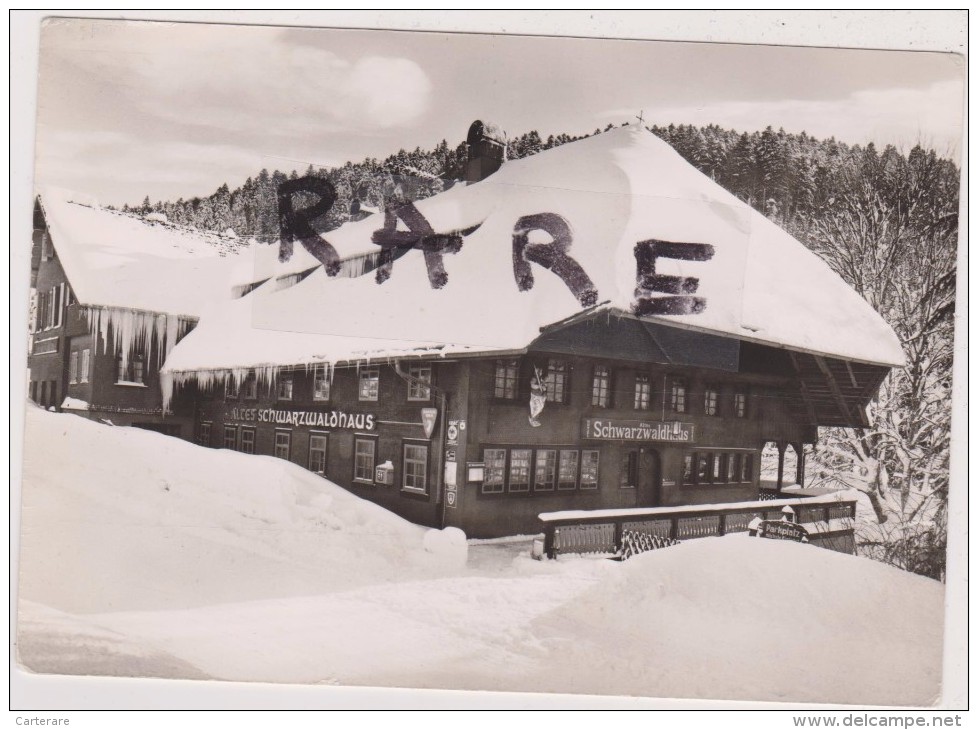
{"x":596,"y":326}
{"x":113,"y":294}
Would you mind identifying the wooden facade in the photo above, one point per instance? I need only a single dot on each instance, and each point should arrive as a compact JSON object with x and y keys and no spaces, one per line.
{"x":67,"y":360}
{"x":661,"y":417}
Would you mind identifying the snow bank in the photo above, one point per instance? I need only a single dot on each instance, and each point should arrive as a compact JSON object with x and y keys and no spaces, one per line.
{"x":448,"y":546}
{"x":148,"y":521}
{"x":746,"y":618}
{"x":144,"y":555}
{"x":613,"y":190}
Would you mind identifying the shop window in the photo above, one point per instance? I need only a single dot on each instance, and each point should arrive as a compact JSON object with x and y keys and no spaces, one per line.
{"x":733,"y":467}
{"x":230,"y":437}
{"x":740,"y":404}
{"x":567,"y":472}
{"x":248,"y":441}
{"x":86,"y":364}
{"x":704,"y":467}
{"x":555,"y":381}
{"x":504,"y":386}
{"x":495,"y":471}
{"x":600,"y":387}
{"x":629,"y":470}
{"x":249,"y":389}
{"x":369,"y":384}
{"x":419,"y":384}
{"x":589,"y":469}
{"x":416,"y":467}
{"x":643,"y":393}
{"x":747,"y":472}
{"x":132,"y":373}
{"x":711,"y":398}
{"x":678,"y":395}
{"x":283,"y":388}
{"x":721,"y":469}
{"x":73,"y":367}
{"x":204,"y":434}
{"x":545,"y":472}
{"x":689,"y":476}
{"x":363,"y":460}
{"x":283,"y":444}
{"x":715,"y":467}
{"x":519,"y":470}
{"x":318,"y":444}
{"x":320,"y":384}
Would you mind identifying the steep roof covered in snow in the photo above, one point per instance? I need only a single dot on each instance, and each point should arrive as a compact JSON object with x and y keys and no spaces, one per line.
{"x":737,"y":274}
{"x":116,"y":260}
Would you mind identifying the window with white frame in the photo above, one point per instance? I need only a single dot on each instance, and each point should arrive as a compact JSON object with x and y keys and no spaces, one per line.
{"x":247,"y":440}
{"x":364,"y":452}
{"x":86,"y":364}
{"x":73,"y":367}
{"x":643,"y":393}
{"x":589,"y":469}
{"x":230,"y":437}
{"x":600,"y":386}
{"x":505,"y":380}
{"x":320,"y":387}
{"x":494,"y":475}
{"x":249,"y":389}
{"x":545,"y":472}
{"x":519,"y":470}
{"x":419,"y":382}
{"x":204,"y":434}
{"x":555,"y":381}
{"x":740,"y":404}
{"x":567,"y":471}
{"x":711,"y":398}
{"x":318,"y":448}
{"x":283,"y":390}
{"x":369,"y":384}
{"x":678,"y":395}
{"x":283,"y":444}
{"x":132,"y":372}
{"x":416,"y":467}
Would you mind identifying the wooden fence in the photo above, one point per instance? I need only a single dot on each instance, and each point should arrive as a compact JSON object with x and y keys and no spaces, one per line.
{"x":830,"y":522}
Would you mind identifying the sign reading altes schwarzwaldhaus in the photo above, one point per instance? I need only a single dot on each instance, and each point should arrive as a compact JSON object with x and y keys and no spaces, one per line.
{"x":325,"y":419}
{"x":606,"y":429}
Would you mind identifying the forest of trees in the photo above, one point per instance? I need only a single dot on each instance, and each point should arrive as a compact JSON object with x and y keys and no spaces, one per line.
{"x":885,"y":220}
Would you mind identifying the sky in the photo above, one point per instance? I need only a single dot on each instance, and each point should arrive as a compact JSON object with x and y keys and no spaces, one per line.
{"x":169,"y":110}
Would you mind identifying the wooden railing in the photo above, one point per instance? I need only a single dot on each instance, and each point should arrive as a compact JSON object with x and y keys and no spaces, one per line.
{"x":600,"y":531}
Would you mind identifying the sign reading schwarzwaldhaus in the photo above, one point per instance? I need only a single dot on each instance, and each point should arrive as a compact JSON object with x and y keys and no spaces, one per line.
{"x":606,"y":429}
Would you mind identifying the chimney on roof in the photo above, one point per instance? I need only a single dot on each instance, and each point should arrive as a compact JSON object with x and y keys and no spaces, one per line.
{"x":486,"y":146}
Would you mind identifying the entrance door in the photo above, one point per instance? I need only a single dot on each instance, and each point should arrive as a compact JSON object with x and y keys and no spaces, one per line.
{"x":649,"y":479}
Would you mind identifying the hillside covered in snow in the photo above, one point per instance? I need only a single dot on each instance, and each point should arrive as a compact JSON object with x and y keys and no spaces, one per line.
{"x":155,"y":557}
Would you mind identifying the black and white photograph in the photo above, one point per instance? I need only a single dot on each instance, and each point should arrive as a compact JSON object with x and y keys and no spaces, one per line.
{"x":490,"y":362}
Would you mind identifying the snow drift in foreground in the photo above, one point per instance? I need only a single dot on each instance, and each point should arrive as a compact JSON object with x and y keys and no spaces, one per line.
{"x":129,"y":519}
{"x":142,"y":555}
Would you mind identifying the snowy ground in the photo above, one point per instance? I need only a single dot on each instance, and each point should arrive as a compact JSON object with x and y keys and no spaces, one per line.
{"x":155,"y":557}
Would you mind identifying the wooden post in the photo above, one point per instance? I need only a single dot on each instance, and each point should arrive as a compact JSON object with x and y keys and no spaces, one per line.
{"x":800,"y":465}
{"x":781,"y":448}
{"x":722,"y":526}
{"x":550,"y":541}
{"x":618,"y":539}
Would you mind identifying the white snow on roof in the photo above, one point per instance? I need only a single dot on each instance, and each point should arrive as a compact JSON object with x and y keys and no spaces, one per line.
{"x":117,"y":260}
{"x":614,"y":190}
